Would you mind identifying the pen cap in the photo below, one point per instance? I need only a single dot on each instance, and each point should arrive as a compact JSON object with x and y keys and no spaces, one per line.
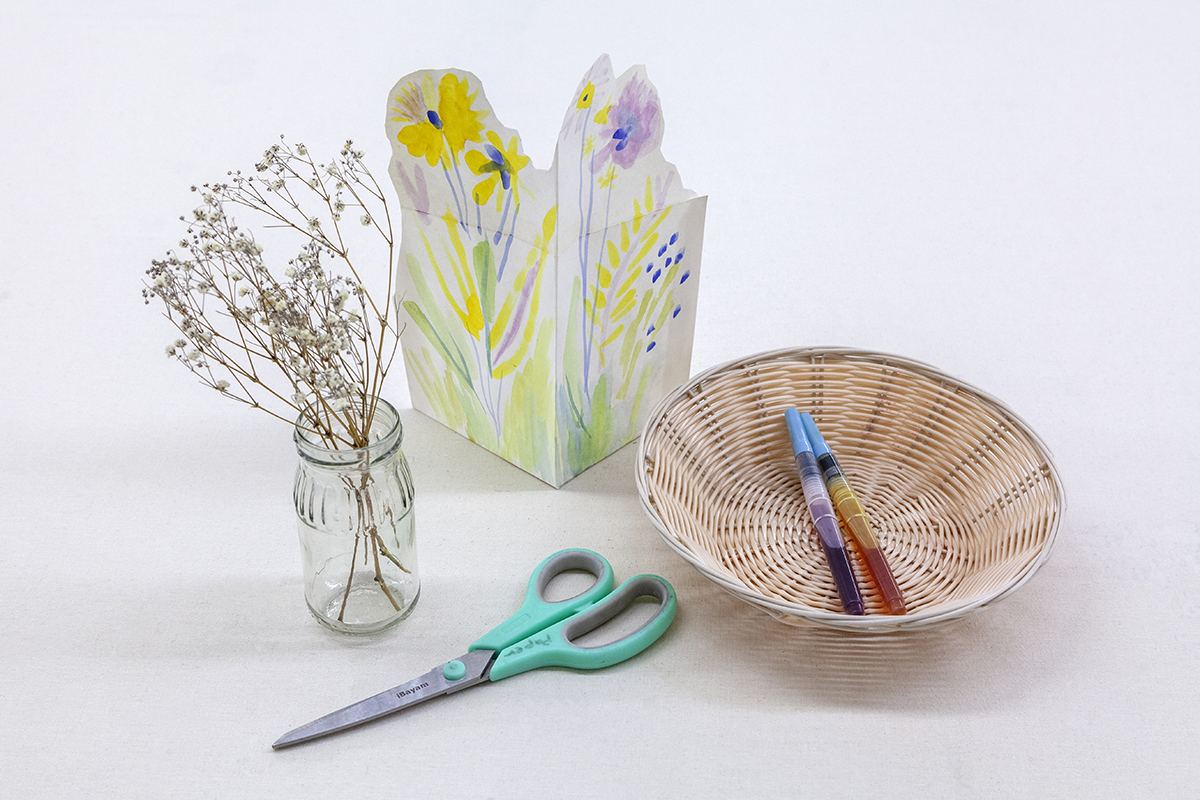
{"x":814,"y":436}
{"x":795,"y":428}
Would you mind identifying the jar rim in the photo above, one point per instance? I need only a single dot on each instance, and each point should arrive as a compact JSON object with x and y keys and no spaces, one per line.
{"x":387,"y":432}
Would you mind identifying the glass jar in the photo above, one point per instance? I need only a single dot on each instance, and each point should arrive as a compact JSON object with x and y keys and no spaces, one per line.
{"x":354,"y":510}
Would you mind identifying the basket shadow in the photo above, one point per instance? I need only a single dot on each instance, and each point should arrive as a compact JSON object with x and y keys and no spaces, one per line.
{"x":979,"y":663}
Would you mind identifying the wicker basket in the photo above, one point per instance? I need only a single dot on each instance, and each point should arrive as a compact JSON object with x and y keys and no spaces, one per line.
{"x":965,"y":498}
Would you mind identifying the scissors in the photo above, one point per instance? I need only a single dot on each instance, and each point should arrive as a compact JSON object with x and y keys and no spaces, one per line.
{"x":541,"y":634}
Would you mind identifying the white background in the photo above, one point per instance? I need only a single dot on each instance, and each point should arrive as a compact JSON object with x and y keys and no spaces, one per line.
{"x":1008,"y":191}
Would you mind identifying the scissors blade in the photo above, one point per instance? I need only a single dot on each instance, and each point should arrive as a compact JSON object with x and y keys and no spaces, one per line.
{"x":438,"y":681}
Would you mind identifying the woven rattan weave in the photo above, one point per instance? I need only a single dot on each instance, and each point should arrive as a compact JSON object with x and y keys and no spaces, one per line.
{"x":964,"y":496}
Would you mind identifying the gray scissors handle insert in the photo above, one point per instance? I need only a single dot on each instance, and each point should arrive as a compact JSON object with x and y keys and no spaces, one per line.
{"x":566,"y":561}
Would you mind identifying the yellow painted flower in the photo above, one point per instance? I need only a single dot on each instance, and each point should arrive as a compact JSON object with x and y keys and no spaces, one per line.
{"x":608,"y":177}
{"x":585,"y":97}
{"x":460,"y":122}
{"x":432,"y":133}
{"x":602,"y":114}
{"x":421,"y":136}
{"x":500,"y":165}
{"x":422,"y":139}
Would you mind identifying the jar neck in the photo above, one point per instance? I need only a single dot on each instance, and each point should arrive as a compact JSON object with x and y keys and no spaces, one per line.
{"x":385,"y":437}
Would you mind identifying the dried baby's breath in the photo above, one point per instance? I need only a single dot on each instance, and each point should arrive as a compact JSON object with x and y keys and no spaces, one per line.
{"x":309,"y":339}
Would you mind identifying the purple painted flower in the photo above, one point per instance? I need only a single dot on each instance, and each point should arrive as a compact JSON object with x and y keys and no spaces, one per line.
{"x":415,"y":189}
{"x":634,"y":124}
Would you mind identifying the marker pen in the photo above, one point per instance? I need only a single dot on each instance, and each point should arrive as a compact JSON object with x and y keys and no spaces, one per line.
{"x":821,"y":510}
{"x":855,"y":517}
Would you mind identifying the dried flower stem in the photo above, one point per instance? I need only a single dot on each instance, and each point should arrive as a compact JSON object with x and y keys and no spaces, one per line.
{"x":371,"y":533}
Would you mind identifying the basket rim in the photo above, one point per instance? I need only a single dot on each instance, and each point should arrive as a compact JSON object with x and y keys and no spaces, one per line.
{"x":871,"y":623}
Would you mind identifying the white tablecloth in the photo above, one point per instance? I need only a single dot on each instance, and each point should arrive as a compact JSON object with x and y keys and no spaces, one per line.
{"x":1007,"y":191}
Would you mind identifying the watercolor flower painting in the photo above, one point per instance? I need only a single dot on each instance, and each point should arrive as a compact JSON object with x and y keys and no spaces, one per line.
{"x":549,"y":309}
{"x":450,"y":122}
{"x":632,"y":125}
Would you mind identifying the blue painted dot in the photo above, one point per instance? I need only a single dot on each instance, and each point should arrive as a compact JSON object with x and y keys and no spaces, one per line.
{"x":650,"y":346}
{"x":657,"y":273}
{"x":650,"y":330}
{"x":685,"y":276}
{"x":650,"y":266}
{"x":674,"y":238}
{"x":434,"y":119}
{"x":675,"y":313}
{"x":662,"y":250}
{"x":679,"y":257}
{"x":622,"y":135}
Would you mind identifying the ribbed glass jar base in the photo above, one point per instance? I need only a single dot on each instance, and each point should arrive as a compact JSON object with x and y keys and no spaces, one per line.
{"x":365,"y":608}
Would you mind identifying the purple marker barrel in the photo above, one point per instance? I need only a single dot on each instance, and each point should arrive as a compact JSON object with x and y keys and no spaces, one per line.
{"x":825,"y":521}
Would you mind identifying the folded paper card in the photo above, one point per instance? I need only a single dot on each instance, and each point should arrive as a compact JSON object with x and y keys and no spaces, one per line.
{"x":546,"y":310}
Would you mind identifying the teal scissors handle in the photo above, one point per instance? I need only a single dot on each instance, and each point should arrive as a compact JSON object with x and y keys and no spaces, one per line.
{"x":555,"y":646}
{"x":541,"y":634}
{"x":537,"y":613}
